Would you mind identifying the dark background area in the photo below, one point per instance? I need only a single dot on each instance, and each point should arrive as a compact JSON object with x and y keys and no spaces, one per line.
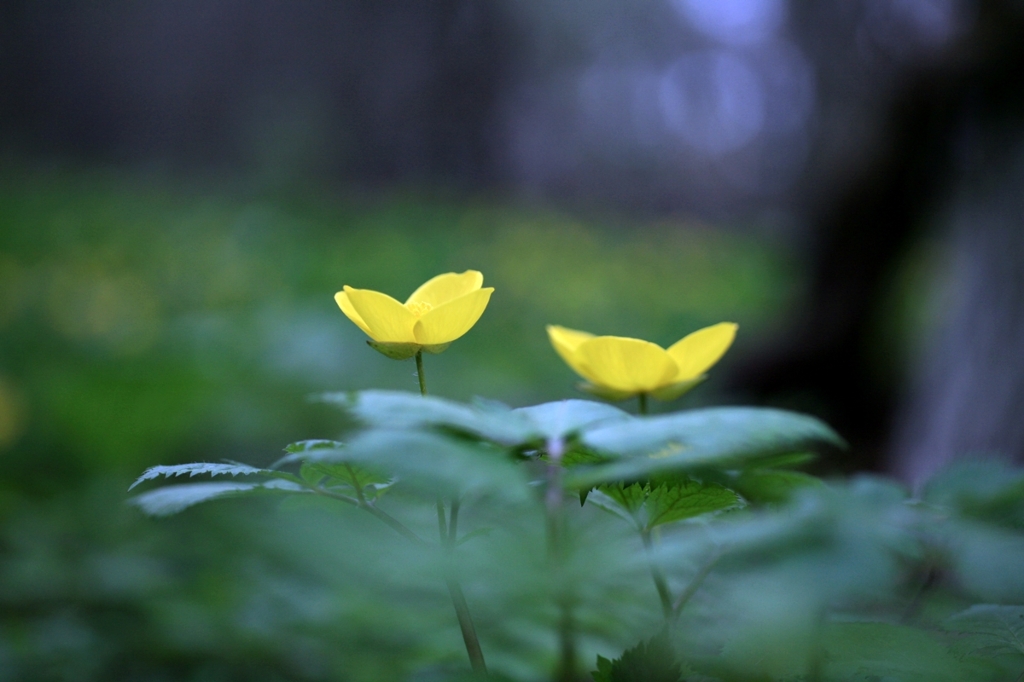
{"x":186,"y":184}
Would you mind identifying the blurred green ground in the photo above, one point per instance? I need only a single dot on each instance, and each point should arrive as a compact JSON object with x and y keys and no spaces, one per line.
{"x":146,"y":321}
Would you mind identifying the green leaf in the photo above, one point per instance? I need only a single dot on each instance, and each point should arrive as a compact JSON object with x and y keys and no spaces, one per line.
{"x":686,"y":441}
{"x":621,"y":500}
{"x":788,"y":460}
{"x":772,"y":486}
{"x":478,"y":533}
{"x":488,"y":420}
{"x":403,"y":410}
{"x":371,"y":482}
{"x":990,"y":629}
{"x":651,"y":661}
{"x":686,"y":499}
{"x":988,"y":490}
{"x":564,"y":418}
{"x":432,"y":462}
{"x":604,"y":670}
{"x":324,"y":450}
{"x":201,"y":468}
{"x":629,"y":497}
{"x":866,"y":651}
{"x":175,"y":498}
{"x":648,"y":506}
{"x":309,"y":445}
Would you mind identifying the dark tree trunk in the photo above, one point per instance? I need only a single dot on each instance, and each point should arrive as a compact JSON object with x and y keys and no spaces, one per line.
{"x":827,"y":360}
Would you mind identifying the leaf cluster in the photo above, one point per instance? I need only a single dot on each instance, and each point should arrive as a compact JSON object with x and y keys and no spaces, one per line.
{"x":760,"y":570}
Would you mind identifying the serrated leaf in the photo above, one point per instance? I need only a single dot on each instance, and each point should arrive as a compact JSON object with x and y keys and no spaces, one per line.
{"x":175,"y":498}
{"x":308,"y":451}
{"x":773,"y":486}
{"x":630,"y":497}
{"x":310,"y":445}
{"x":604,"y":501}
{"x":719,"y":437}
{"x":355,"y":477}
{"x":993,"y":629}
{"x":651,"y":661}
{"x":668,"y":502}
{"x":604,"y":670}
{"x":199,"y":468}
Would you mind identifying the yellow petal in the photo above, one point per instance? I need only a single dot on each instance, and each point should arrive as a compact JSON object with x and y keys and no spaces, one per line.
{"x":447,"y":287}
{"x":346,"y":307}
{"x":695,"y":353}
{"x":386,"y":319}
{"x":453,"y":319}
{"x":565,"y":342}
{"x":627,"y":364}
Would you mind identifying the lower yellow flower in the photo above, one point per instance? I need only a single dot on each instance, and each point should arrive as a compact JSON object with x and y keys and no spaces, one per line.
{"x":617,"y":367}
{"x":440,"y":311}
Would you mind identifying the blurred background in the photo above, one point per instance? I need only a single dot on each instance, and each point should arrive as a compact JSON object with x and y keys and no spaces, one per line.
{"x":184,"y":185}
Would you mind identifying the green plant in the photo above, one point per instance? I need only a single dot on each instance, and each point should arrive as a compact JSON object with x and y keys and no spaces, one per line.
{"x":718,"y":556}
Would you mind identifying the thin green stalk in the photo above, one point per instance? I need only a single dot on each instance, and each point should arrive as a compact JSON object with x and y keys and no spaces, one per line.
{"x":553,"y":498}
{"x":642,"y":406}
{"x":453,"y":523}
{"x":388,"y":519}
{"x":694,"y":585}
{"x":446,"y":533}
{"x":419,"y":373}
{"x":659,"y":577}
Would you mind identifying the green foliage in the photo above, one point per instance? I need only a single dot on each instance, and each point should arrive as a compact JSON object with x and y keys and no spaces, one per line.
{"x":720,"y":438}
{"x":879,"y":651}
{"x":650,"y":661}
{"x":174,"y":499}
{"x":772,"y":485}
{"x":651,"y":505}
{"x":987,"y":490}
{"x":201,"y":468}
{"x":990,"y":630}
{"x":800,"y":580}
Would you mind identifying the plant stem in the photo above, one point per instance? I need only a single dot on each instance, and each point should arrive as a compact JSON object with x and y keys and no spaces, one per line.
{"x":553,"y":496}
{"x":642,"y":406}
{"x":476,"y":654}
{"x":419,"y":373}
{"x":388,"y":519}
{"x":659,"y":577}
{"x":453,"y":523}
{"x":447,"y":536}
{"x":694,"y":585}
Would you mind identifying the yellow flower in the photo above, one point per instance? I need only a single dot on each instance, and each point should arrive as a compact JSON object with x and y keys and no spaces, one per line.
{"x":440,"y":311}
{"x":617,"y":367}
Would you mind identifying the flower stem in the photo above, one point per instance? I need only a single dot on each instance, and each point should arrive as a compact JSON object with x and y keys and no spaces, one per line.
{"x":642,"y":407}
{"x":659,"y":577}
{"x":446,"y":532}
{"x":695,"y":584}
{"x":419,"y":373}
{"x":553,"y":498}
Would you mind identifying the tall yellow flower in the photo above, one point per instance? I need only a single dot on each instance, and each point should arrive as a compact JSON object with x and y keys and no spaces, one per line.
{"x":617,"y":367}
{"x":440,"y":311}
